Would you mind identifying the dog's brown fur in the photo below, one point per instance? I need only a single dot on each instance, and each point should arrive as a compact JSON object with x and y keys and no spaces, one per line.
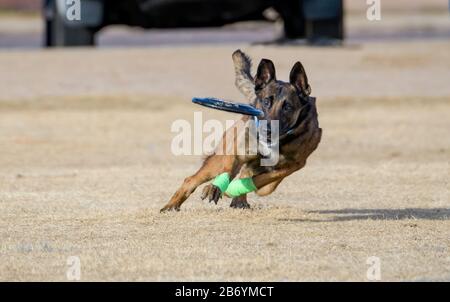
{"x":287,"y":102}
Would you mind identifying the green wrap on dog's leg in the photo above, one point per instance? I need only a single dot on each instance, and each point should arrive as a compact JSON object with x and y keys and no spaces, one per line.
{"x":222,"y":181}
{"x":240,"y":187}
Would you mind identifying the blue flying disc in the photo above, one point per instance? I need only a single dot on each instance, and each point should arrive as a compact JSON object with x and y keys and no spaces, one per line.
{"x":228,"y":106}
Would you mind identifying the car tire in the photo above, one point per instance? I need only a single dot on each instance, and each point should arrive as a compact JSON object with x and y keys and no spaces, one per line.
{"x":324,"y":21}
{"x":294,"y":21}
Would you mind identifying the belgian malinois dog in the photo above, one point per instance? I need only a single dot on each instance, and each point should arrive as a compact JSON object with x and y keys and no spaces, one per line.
{"x":299,"y":133}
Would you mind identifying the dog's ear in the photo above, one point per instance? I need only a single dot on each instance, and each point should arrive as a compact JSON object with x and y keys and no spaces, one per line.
{"x":299,"y":79}
{"x":265,"y":74}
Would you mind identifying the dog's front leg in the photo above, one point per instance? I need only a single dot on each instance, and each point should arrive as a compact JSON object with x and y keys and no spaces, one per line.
{"x":212,"y":166}
{"x":240,"y":202}
{"x":264,"y":183}
{"x":212,"y":192}
{"x":226,"y":159}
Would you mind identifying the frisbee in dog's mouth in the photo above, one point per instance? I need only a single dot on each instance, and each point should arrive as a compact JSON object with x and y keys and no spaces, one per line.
{"x":223,"y":105}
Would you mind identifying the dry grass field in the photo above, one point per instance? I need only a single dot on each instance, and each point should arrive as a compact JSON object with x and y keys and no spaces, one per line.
{"x":85,"y":166}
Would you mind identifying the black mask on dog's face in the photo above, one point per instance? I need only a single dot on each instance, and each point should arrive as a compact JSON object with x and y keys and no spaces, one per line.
{"x":279,"y":100}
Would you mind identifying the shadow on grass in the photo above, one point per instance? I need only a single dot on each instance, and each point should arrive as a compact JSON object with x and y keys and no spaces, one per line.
{"x":379,"y":214}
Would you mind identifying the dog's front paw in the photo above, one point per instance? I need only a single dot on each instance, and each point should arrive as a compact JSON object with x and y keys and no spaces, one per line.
{"x":212,"y":192}
{"x":169,"y":207}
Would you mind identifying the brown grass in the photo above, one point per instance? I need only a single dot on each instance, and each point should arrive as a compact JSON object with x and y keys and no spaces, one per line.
{"x":84,"y":170}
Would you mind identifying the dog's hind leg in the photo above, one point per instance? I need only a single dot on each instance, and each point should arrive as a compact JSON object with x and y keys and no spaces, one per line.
{"x":267,"y":182}
{"x":268,"y":189}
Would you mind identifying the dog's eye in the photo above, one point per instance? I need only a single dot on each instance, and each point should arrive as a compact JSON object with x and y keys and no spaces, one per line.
{"x":287,"y":107}
{"x":267,"y":102}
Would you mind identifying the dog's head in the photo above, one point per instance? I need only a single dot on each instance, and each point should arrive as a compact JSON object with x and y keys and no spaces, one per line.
{"x":280,"y":100}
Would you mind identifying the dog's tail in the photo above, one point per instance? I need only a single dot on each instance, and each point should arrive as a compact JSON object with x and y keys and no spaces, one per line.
{"x":244,"y":80}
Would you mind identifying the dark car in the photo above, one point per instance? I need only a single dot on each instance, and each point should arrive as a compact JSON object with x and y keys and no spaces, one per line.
{"x":312,"y":19}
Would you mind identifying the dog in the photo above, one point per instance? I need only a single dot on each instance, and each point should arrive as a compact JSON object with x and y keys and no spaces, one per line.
{"x":299,"y":133}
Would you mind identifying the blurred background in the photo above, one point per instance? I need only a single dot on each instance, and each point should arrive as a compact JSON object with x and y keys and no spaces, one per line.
{"x":32,"y":23}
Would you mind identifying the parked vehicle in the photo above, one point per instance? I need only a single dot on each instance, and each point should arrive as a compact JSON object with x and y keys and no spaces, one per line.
{"x":302,"y":18}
